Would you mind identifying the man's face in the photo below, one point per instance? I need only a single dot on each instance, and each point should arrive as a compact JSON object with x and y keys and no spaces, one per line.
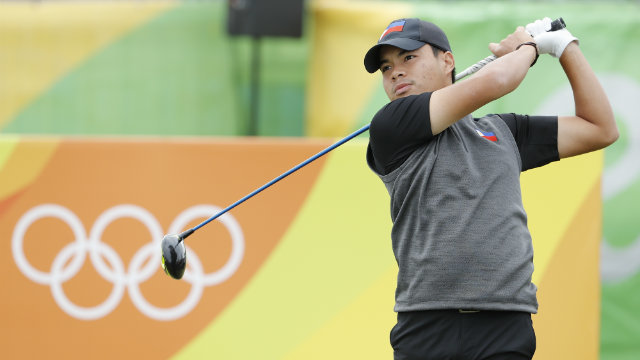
{"x":412,"y":72}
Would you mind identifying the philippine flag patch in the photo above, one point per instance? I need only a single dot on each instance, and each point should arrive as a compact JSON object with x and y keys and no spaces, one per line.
{"x":487,"y":135}
{"x":393,"y":27}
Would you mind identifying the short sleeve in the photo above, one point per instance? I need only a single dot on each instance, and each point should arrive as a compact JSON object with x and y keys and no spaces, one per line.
{"x":397,"y":130}
{"x":536,"y":137}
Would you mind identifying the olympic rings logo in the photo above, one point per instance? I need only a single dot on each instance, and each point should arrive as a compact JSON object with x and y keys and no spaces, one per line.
{"x":116,"y":273}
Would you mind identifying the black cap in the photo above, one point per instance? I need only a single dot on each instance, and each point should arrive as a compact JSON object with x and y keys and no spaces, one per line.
{"x":406,"y":34}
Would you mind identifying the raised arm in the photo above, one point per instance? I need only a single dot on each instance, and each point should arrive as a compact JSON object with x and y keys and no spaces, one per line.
{"x":495,"y":80}
{"x":593,"y":127}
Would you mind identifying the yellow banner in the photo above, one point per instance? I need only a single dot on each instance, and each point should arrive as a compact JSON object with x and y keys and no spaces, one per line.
{"x":304,"y":270}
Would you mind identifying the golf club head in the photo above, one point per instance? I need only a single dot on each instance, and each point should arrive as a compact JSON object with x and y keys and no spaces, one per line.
{"x":174,"y":255}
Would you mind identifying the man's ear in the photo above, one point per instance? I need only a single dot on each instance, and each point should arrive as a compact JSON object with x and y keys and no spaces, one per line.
{"x":449,"y":62}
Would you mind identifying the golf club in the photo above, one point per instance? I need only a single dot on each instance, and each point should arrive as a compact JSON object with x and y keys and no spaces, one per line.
{"x":174,"y":255}
{"x":173,"y":251}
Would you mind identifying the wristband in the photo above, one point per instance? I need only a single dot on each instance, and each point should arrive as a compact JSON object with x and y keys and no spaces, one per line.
{"x":534,"y":46}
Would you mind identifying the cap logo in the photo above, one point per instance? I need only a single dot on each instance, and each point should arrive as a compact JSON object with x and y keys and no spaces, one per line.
{"x":393,"y":27}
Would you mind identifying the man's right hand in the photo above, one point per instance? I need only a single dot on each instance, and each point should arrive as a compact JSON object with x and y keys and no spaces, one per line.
{"x":510,"y":43}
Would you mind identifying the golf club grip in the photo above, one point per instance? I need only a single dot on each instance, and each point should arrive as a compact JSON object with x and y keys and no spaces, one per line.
{"x":556,"y":24}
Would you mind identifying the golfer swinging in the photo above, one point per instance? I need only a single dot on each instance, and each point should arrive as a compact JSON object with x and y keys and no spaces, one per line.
{"x":460,"y":233}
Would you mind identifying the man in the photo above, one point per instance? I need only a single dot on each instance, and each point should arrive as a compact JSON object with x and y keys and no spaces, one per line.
{"x":460,"y":233}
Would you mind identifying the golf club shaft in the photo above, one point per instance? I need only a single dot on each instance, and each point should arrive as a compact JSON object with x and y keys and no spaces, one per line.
{"x":556,"y":25}
{"x":292,"y":170}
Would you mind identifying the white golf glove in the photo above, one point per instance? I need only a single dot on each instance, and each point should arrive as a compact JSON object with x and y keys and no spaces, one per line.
{"x":549,"y":42}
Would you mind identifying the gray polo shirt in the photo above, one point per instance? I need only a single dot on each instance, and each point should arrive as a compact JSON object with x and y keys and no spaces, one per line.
{"x":459,"y":232}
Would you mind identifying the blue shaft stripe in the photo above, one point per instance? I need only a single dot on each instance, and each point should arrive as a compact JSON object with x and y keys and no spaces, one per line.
{"x":292,"y":170}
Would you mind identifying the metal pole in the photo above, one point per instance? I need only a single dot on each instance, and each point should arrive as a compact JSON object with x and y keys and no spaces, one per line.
{"x":254,"y":107}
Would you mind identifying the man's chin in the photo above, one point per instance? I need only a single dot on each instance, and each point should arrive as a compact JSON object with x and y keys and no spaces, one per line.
{"x":405,"y":94}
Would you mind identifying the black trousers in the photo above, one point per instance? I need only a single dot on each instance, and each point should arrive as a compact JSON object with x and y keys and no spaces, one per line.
{"x":463,"y":335}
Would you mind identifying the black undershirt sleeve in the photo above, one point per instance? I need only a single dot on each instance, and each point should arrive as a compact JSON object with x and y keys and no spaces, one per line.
{"x":397,"y":130}
{"x":536,"y":137}
{"x":403,"y":125}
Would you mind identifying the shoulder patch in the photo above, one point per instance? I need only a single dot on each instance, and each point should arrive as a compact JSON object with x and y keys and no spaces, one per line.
{"x":487,"y":135}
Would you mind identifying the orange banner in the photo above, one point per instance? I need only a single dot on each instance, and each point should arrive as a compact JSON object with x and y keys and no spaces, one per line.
{"x":84,"y":218}
{"x":304,"y":270}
